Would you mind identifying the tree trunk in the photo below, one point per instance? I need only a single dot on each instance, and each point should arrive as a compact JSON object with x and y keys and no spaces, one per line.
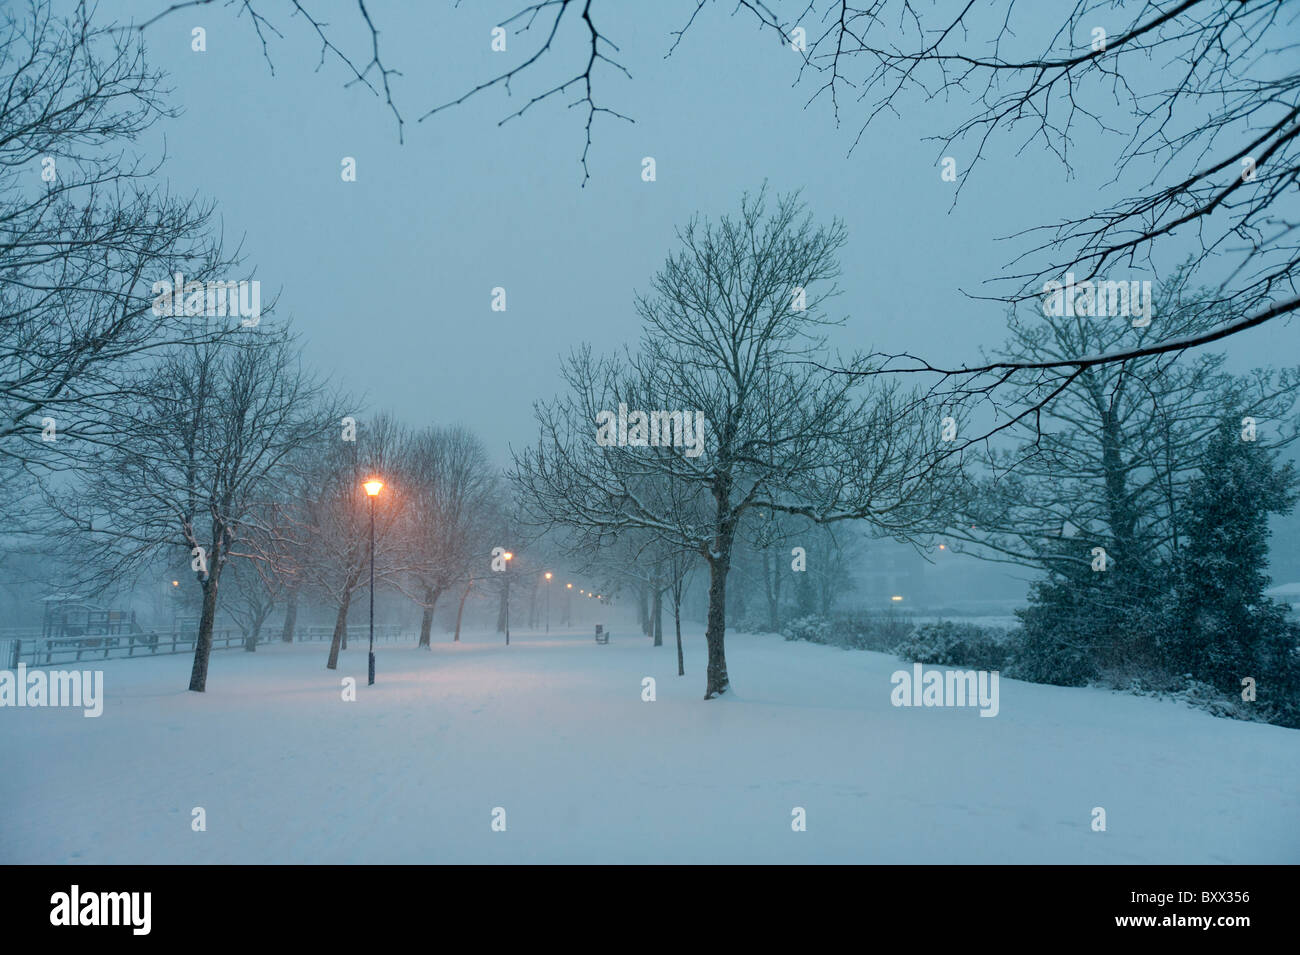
{"x":804,"y":594}
{"x":290,"y":616}
{"x":340,"y":631}
{"x":460,"y":611}
{"x":677,"y":621}
{"x":766,"y":571}
{"x":250,"y":642}
{"x":658,"y":613}
{"x":1124,"y":547}
{"x":643,"y":611}
{"x":203,"y":645}
{"x":772,"y":590}
{"x":431,"y":596}
{"x":717,"y":681}
{"x":739,"y":601}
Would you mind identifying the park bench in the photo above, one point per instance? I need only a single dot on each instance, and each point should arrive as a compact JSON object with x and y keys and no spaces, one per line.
{"x":602,"y":635}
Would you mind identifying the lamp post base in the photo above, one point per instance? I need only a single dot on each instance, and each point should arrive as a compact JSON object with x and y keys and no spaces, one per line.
{"x":372,"y":669}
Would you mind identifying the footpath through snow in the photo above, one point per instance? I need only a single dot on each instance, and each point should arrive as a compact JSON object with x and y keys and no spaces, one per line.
{"x":554,"y":731}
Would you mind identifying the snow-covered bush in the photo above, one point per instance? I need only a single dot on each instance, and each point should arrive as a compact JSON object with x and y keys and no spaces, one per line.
{"x":853,"y":631}
{"x":880,"y":631}
{"x":813,"y":629}
{"x":1216,"y":702}
{"x":1050,"y":655}
{"x":1079,"y":623}
{"x":751,"y":621}
{"x":949,"y":643}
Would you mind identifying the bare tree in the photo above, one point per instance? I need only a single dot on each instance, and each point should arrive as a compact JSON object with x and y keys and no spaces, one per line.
{"x":283,"y":544}
{"x":372,"y":75}
{"x":770,"y":535}
{"x":681,"y":567}
{"x":253,"y":588}
{"x":727,"y":343}
{"x":449,"y":482}
{"x":492,"y":525}
{"x":334,"y":516}
{"x":1207,"y":146}
{"x":198,"y":450}
{"x":84,"y":235}
{"x":1108,"y":460}
{"x":832,"y":552}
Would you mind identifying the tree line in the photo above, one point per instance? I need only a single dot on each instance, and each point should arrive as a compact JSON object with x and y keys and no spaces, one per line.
{"x":149,"y":435}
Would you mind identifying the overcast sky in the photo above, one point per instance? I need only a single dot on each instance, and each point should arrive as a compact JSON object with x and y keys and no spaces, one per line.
{"x":389,"y":278}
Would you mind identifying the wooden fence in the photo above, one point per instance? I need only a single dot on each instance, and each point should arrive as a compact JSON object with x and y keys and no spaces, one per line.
{"x":37,"y":651}
{"x":356,"y":632}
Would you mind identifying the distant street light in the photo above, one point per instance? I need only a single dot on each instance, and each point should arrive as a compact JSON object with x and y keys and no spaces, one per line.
{"x":373,"y":486}
{"x":568,"y":605}
{"x":548,"y":601}
{"x":508,"y":556}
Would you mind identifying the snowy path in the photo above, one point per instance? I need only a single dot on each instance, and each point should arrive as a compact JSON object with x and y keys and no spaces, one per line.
{"x":554,"y":730}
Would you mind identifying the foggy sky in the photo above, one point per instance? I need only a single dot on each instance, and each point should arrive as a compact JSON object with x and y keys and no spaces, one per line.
{"x":388,"y":279}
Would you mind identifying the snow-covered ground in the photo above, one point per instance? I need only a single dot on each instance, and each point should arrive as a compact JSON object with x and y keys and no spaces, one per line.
{"x":554,"y":731}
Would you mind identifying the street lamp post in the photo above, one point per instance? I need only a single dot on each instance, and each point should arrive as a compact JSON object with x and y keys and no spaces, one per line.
{"x":508,"y":557}
{"x":568,"y":605}
{"x":372,"y":487}
{"x":548,"y":601}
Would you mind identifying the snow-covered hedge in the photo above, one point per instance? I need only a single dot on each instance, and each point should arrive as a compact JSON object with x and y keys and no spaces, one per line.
{"x":949,"y":643}
{"x":854,"y":631}
{"x":813,"y":629}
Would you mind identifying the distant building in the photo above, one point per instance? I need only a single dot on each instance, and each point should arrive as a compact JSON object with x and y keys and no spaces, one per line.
{"x":1288,"y":594}
{"x":947,"y":581}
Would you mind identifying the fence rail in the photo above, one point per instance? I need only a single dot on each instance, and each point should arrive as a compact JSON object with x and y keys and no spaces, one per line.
{"x":38,"y":651}
{"x":355,"y":632}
